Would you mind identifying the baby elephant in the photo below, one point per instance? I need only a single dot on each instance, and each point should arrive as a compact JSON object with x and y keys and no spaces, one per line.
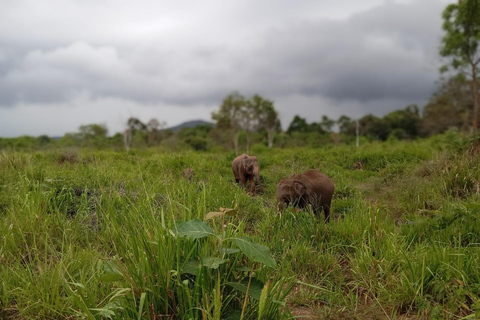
{"x":246,"y":168}
{"x":311,"y":187}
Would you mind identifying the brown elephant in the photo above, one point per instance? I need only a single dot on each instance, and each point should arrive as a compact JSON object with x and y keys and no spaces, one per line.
{"x":311,"y":187}
{"x":246,"y":168}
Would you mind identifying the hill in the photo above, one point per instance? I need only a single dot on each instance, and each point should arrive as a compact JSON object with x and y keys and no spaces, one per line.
{"x":190,"y":124}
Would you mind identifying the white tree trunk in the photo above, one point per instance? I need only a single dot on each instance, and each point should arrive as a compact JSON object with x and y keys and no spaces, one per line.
{"x":475,"y":98}
{"x":270,"y":136}
{"x":235,"y":142}
{"x":127,"y":139}
{"x":357,"y":133}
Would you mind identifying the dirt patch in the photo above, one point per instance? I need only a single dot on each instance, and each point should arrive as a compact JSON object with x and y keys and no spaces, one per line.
{"x":10,"y":314}
{"x":302,"y":312}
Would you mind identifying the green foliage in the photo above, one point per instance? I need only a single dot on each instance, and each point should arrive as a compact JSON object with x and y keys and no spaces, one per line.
{"x":449,"y":107}
{"x":248,"y":115}
{"x":299,"y":124}
{"x":196,"y":138}
{"x":108,"y":234}
{"x":405,"y":123}
{"x":461,"y":23}
{"x":374,"y":127}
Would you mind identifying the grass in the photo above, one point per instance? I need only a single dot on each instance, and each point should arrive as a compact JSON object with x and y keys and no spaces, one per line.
{"x":110,"y":235}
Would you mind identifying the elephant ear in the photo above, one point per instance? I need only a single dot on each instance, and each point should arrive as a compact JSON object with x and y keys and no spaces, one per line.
{"x":299,"y":187}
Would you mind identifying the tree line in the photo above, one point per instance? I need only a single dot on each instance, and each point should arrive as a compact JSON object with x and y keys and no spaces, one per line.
{"x":241,"y":122}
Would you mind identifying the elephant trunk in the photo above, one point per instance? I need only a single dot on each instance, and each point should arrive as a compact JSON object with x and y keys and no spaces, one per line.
{"x":256,"y":173}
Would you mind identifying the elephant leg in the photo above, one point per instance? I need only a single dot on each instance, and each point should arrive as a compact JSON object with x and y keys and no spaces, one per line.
{"x":252,"y":186}
{"x":326,"y":210}
{"x":243,"y":181}
{"x":317,"y":211}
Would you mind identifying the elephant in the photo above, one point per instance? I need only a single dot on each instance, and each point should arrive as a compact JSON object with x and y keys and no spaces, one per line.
{"x":311,"y":187}
{"x":246,"y":168}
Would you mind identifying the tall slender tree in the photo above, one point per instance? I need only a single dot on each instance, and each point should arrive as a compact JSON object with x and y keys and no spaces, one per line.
{"x":267,"y":116}
{"x":461,"y":23}
{"x":133,"y":125}
{"x":228,"y":117}
{"x":327,"y":124}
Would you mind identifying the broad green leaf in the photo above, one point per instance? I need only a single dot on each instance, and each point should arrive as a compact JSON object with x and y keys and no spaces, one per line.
{"x":110,"y":277}
{"x":191,"y":267}
{"x":255,"y":251}
{"x":212,"y":262}
{"x":234,"y":315}
{"x":230,"y":250}
{"x":111,"y":272}
{"x":194,"y":229}
{"x":244,"y":269}
{"x":109,"y":310}
{"x":103,"y":312}
{"x":255,"y":291}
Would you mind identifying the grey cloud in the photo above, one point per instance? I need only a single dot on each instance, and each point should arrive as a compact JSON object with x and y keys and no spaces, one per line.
{"x":388,"y":53}
{"x":369,"y":57}
{"x":59,"y":74}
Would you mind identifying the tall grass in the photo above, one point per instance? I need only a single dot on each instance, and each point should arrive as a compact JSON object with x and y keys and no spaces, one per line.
{"x":89,"y":234}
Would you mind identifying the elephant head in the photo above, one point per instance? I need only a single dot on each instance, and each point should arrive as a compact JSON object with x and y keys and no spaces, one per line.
{"x":309,"y":188}
{"x":251,"y":166}
{"x":291,"y":192}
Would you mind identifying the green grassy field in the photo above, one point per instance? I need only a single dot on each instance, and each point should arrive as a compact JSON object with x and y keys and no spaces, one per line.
{"x":109,"y":235}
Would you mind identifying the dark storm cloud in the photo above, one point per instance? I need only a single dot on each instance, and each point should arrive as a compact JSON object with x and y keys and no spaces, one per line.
{"x":369,"y":57}
{"x":385,"y":53}
{"x":80,"y":68}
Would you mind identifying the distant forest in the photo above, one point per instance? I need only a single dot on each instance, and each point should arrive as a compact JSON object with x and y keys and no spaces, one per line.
{"x":241,"y":122}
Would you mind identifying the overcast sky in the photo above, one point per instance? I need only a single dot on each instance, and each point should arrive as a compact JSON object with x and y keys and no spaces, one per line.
{"x":64,"y":63}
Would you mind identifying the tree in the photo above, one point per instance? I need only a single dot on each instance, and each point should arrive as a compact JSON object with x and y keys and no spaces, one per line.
{"x":196,"y":137}
{"x":93,"y":130}
{"x":327,"y":124}
{"x":404,"y":123}
{"x":43,"y":140}
{"x":133,"y":125}
{"x":461,"y":22}
{"x":227,"y":118}
{"x":374,"y":127}
{"x":238,"y":114}
{"x":249,"y":117}
{"x":345,"y":124}
{"x":298,"y":124}
{"x":154,"y":131}
{"x":449,"y":107}
{"x":93,"y":134}
{"x":268,"y":117}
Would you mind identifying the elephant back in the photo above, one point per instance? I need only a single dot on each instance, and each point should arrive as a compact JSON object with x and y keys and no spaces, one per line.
{"x":320,"y":185}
